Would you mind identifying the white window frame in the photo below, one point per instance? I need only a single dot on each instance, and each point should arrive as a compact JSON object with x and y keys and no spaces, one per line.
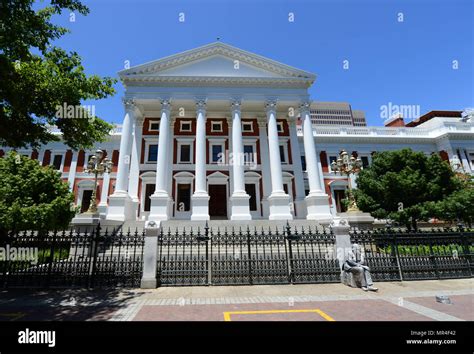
{"x":253,"y":143}
{"x":185,"y":122}
{"x":280,"y":127}
{"x":149,"y":142}
{"x":247,"y":124}
{"x":182,"y":178}
{"x":181,"y":142}
{"x":285,"y":152}
{"x":153,"y":122}
{"x":329,"y":155}
{"x":63,"y":158}
{"x":220,"y":123}
{"x":213,"y":142}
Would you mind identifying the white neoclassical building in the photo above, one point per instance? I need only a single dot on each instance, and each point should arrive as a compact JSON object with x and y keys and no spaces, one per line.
{"x":218,"y":132}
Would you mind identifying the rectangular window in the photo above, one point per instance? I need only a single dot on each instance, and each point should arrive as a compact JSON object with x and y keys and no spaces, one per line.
{"x":251,"y":191}
{"x":154,"y":126}
{"x":282,"y":154}
{"x":303,"y":163}
{"x":248,"y":154}
{"x":152,"y":153}
{"x":57,"y":161}
{"x":280,"y":127}
{"x":247,"y":127}
{"x":216,"y":153}
{"x":216,"y":127}
{"x":365,"y":161}
{"x":185,"y":153}
{"x":185,"y":126}
{"x":184,"y":197}
{"x":331,"y":159}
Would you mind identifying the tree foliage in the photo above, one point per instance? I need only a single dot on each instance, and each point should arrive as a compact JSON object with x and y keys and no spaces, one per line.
{"x":401,"y":184}
{"x":37,"y":77}
{"x":459,"y":206}
{"x":32,"y":197}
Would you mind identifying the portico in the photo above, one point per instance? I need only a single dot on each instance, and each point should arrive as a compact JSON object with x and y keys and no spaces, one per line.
{"x":216,"y":125}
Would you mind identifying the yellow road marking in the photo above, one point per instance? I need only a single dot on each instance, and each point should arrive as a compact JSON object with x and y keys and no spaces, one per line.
{"x":324,"y":315}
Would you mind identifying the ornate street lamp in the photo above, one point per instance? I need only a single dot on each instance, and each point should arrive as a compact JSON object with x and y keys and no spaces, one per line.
{"x":346,"y":165}
{"x":97,"y":165}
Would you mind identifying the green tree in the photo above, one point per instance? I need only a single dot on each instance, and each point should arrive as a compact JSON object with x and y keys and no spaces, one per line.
{"x":32,"y":197}
{"x":36,"y":78}
{"x":459,"y":206}
{"x":400,"y":184}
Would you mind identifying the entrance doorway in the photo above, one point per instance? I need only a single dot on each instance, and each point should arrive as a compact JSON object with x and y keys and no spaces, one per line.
{"x":149,"y":190}
{"x":86,"y":200}
{"x":339,"y":195}
{"x":218,"y":201}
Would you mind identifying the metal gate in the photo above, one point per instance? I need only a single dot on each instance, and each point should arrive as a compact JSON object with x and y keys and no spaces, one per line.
{"x":245,"y":257}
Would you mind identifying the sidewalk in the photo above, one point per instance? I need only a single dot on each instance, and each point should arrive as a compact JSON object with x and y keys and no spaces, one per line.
{"x":397,"y":301}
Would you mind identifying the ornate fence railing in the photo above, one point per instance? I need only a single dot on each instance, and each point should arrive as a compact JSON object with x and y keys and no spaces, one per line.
{"x":245,"y":257}
{"x":416,"y":255}
{"x":227,"y":256}
{"x":71,"y":259}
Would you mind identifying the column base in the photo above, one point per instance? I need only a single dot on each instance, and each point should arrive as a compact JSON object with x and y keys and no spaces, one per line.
{"x":120,"y":207}
{"x":300,"y":208}
{"x":265,"y":208}
{"x":318,"y":208}
{"x":160,"y":207}
{"x":240,"y":209}
{"x":279,"y":205}
{"x":200,"y":206}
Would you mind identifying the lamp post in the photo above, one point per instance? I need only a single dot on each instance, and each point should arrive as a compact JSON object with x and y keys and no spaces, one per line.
{"x":97,"y":165}
{"x":346,"y":165}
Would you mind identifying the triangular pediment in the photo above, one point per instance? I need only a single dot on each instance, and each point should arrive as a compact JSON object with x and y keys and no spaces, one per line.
{"x":216,"y":61}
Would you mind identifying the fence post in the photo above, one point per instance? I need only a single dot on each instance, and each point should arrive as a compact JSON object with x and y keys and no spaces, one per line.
{"x":93,"y":253}
{"x":150,"y":255}
{"x":465,"y":245}
{"x":340,"y":228}
{"x":393,"y":237}
{"x":208,"y":255}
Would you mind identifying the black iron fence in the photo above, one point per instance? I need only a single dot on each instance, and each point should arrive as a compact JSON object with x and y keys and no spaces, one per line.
{"x":416,"y":255}
{"x":227,"y":257}
{"x":71,"y":259}
{"x":245,"y":257}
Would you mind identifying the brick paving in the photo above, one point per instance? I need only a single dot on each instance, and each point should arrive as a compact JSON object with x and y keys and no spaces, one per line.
{"x":397,"y":301}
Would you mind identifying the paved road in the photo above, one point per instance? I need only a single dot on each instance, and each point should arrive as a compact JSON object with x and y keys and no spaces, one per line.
{"x":407,"y":301}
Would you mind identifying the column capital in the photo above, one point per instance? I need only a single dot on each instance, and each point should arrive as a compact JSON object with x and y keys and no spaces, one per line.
{"x":139,"y":121}
{"x":236,"y":106}
{"x":129,"y":103}
{"x":201,"y":106}
{"x":165,"y":106}
{"x":262,"y":123}
{"x":305,"y":107}
{"x":271,"y":106}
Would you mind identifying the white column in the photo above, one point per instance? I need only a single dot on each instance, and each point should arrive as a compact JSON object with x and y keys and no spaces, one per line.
{"x":72,"y":170}
{"x":200,"y":198}
{"x":465,"y":161}
{"x":135,"y":160}
{"x":121,"y":185}
{"x":240,"y":199}
{"x":279,"y":201}
{"x":120,"y":203}
{"x":160,"y":200}
{"x":300,"y":206}
{"x":317,"y":201}
{"x":265,"y":163}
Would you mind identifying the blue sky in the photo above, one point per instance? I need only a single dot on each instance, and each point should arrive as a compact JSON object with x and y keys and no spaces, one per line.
{"x":390,"y":62}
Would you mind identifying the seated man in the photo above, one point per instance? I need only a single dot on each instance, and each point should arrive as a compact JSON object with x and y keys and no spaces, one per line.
{"x":354,"y":264}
